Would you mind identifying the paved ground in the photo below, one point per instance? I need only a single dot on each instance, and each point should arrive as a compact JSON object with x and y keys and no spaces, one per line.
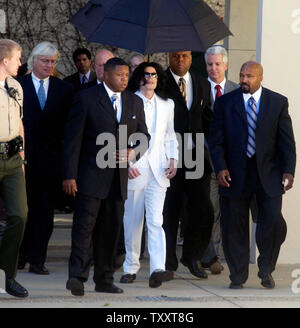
{"x":185,"y":291}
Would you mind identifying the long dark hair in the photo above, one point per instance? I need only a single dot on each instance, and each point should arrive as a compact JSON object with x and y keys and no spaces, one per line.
{"x":138,"y":76}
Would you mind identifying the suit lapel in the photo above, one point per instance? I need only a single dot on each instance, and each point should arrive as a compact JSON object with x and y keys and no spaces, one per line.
{"x":32,"y":92}
{"x":126,"y":109}
{"x":51,"y":93}
{"x":263,"y":107}
{"x":175,"y":89}
{"x":105,"y":102}
{"x":197,"y":92}
{"x":160,"y":104}
{"x":240,"y":106}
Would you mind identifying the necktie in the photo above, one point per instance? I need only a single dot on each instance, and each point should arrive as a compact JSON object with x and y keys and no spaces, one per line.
{"x":219,"y":92}
{"x":41,"y":94}
{"x":252,"y":118}
{"x":182,"y":87}
{"x":84,"y":79}
{"x":114,"y":99}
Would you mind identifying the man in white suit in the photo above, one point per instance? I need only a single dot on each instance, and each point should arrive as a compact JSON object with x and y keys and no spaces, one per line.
{"x":149,"y":177}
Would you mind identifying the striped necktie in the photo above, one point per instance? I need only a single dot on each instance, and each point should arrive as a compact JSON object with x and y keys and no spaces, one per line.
{"x":251,"y":118}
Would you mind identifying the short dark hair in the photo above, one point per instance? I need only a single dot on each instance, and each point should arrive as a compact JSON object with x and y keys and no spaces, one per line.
{"x":81,"y":51}
{"x":113,"y":62}
{"x":138,"y":75}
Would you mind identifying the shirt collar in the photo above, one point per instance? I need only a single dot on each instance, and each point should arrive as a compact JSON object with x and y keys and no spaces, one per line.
{"x":87,"y":75}
{"x":145,"y":99}
{"x":256,"y":95}
{"x":35,"y":78}
{"x":187,"y":76}
{"x":213,"y":84}
{"x":110,"y":92}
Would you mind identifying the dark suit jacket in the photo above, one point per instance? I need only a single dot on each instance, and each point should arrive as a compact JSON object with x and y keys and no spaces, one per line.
{"x":44,"y":128}
{"x":74,"y":79}
{"x":197,"y":119}
{"x":90,"y":84}
{"x":275,"y":145}
{"x":92,"y":114}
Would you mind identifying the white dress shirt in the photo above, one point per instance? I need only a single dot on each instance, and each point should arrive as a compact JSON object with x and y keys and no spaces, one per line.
{"x":87,"y":76}
{"x":36,"y":83}
{"x":256,"y":95}
{"x":213,"y":85}
{"x":150,"y":111}
{"x":118,"y":102}
{"x":189,"y":87}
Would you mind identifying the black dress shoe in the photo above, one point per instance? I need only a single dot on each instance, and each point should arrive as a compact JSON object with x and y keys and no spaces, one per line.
{"x":157,"y":277}
{"x":21,"y":264}
{"x":127,"y":278}
{"x":13,"y":288}
{"x":38,"y":269}
{"x":267,"y":281}
{"x":76,"y":286}
{"x":111,"y":288}
{"x":235,"y":286}
{"x":195,"y":268}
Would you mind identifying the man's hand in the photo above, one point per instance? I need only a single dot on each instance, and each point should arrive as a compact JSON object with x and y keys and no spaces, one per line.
{"x":69,"y":186}
{"x":171,"y":171}
{"x":224,"y":178}
{"x":287,"y":181}
{"x":124,"y":155}
{"x":133,"y":172}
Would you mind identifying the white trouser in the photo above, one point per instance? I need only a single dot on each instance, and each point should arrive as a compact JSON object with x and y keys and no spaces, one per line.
{"x":151,"y":198}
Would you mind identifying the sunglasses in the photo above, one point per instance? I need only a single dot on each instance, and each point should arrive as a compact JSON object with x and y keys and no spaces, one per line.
{"x":147,"y":75}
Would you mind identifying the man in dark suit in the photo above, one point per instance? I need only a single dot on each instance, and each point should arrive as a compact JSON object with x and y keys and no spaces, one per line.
{"x":46,"y":104}
{"x":101,"y":57}
{"x":83,"y":60}
{"x":192,"y":114}
{"x":216,"y":59}
{"x":253,"y":152}
{"x":100,"y":189}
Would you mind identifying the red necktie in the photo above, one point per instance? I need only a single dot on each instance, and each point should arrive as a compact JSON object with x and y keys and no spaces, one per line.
{"x":218,"y":88}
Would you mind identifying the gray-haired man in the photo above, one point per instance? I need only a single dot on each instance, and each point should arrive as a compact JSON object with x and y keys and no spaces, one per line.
{"x":216,"y":59}
{"x":46,"y":105}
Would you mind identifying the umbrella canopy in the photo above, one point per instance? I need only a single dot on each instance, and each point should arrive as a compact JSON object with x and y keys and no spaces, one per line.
{"x":151,"y":26}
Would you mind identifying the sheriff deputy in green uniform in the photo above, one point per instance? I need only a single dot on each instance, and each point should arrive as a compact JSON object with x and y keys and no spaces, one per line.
{"x":12,"y":180}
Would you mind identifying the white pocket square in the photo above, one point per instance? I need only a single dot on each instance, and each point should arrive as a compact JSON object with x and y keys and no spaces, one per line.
{"x":133,"y":117}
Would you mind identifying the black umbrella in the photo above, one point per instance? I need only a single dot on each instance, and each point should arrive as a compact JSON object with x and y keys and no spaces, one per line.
{"x":151,"y":26}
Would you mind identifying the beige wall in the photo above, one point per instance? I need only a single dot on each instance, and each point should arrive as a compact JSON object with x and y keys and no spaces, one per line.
{"x":241,"y":18}
{"x":269,"y":31}
{"x":279,"y":53}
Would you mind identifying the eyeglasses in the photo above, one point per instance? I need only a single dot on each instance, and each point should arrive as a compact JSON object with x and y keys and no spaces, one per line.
{"x":147,"y":75}
{"x":48,"y":61}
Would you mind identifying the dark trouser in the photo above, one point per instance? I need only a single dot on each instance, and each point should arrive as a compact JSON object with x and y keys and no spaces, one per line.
{"x":13,"y":193}
{"x":41,"y":194}
{"x":199,"y":219}
{"x":95,"y":234}
{"x":215,"y":248}
{"x":270,"y":230}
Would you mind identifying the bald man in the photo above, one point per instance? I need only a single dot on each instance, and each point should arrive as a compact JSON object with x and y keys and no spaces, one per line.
{"x":101,"y":57}
{"x":253,"y":152}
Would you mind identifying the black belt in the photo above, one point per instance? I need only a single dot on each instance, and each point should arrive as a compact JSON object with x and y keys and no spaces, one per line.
{"x":10,"y":148}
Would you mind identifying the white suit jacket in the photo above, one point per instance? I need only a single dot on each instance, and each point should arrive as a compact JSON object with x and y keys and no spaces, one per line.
{"x":163,"y":146}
